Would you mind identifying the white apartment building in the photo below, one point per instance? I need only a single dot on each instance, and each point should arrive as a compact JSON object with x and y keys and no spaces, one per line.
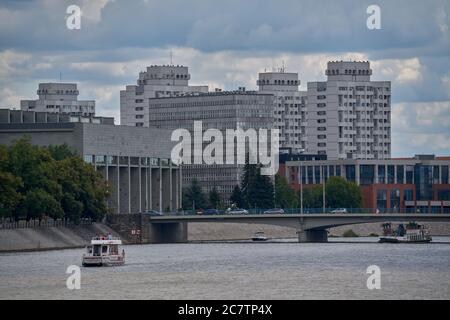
{"x":349,"y":116}
{"x":156,"y":82}
{"x":289,"y":107}
{"x":59,"y":98}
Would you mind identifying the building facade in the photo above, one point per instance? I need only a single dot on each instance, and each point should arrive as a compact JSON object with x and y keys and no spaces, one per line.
{"x":59,"y":98}
{"x":134,"y":161}
{"x":349,"y":116}
{"x":290,"y":113}
{"x":155,"y":82}
{"x":409,"y":184}
{"x":221,"y":111}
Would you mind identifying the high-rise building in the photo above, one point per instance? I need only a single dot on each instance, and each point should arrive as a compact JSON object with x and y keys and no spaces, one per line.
{"x":219,"y":110}
{"x":59,"y":98}
{"x":349,"y":116}
{"x":289,"y":107}
{"x":156,"y":82}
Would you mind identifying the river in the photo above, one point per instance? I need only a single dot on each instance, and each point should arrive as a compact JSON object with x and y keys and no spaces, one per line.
{"x":241,"y":270}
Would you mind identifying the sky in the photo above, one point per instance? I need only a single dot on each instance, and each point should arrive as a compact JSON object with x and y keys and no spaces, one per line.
{"x":226,"y":43}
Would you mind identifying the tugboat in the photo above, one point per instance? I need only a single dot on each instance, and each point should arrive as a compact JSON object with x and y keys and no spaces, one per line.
{"x":104,"y":251}
{"x":259,"y":236}
{"x":412,"y":233}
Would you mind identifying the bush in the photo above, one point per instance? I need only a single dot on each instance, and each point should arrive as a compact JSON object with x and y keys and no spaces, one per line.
{"x":373,"y":235}
{"x":350,"y":234}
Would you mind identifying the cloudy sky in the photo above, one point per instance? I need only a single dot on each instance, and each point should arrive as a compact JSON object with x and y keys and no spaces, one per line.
{"x":226,"y":43}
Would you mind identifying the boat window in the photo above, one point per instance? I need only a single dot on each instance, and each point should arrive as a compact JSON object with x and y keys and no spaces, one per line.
{"x":114,"y":249}
{"x":104,"y":249}
{"x":96,"y":250}
{"x":89,"y":249}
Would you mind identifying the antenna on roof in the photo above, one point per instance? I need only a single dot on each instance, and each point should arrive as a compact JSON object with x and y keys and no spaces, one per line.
{"x":171,"y":58}
{"x":282,"y":66}
{"x":60,"y":76}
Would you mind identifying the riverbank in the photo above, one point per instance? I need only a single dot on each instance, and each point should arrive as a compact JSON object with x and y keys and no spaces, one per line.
{"x":51,"y":238}
{"x":54,"y":238}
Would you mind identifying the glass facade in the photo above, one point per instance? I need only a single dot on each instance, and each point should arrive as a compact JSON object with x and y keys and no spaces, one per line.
{"x":390,"y":174}
{"x":366,"y":174}
{"x":423,"y":179}
{"x":400,"y":175}
{"x":395,"y":200}
{"x":408,"y":195}
{"x":410,"y":174}
{"x":350,"y":173}
{"x":435,"y":174}
{"x":381,"y":174}
{"x":381,"y":199}
{"x":444,"y":174}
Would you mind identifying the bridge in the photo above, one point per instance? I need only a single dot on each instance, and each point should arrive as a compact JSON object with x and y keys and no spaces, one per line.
{"x":310,"y":227}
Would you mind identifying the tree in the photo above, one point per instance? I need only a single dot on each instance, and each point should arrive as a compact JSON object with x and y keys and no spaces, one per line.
{"x":194,"y":197}
{"x":237,"y":197}
{"x":60,"y":152}
{"x":214,"y":198}
{"x":37,"y":181}
{"x":39,"y":203}
{"x":341,"y":193}
{"x":257,"y":190}
{"x":9,"y":185}
{"x":285,"y":196}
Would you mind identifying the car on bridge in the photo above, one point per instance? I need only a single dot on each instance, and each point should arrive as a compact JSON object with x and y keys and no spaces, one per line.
{"x":153,"y":213}
{"x":237,"y":211}
{"x":211,"y":212}
{"x":339,"y":210}
{"x":274,"y":211}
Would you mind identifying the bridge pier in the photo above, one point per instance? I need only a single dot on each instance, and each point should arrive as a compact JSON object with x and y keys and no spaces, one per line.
{"x":312,"y":236}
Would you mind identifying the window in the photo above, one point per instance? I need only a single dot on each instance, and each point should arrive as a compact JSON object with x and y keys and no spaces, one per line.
{"x":139,"y":108}
{"x":139,"y":116}
{"x":381,"y":174}
{"x":444,"y":175}
{"x":408,"y":195}
{"x":390,"y":174}
{"x":381,"y":199}
{"x":366,"y":174}
{"x":400,"y":175}
{"x":321,"y":97}
{"x":350,"y":172}
{"x":395,"y":200}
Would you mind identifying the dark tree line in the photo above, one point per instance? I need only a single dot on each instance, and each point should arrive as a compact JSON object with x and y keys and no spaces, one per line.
{"x":38,"y":182}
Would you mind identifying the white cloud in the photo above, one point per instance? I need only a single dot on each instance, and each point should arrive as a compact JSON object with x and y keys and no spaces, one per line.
{"x":399,"y":70}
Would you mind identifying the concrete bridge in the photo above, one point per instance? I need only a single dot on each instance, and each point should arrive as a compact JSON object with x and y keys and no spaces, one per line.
{"x":310,"y":227}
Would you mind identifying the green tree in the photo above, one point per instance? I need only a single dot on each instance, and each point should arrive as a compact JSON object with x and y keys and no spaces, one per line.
{"x":49,"y":181}
{"x":9,"y":185}
{"x":285,"y":196}
{"x":38,"y":203}
{"x":341,"y":193}
{"x":193,"y":197}
{"x":312,"y":197}
{"x":237,"y":197}
{"x":214,"y":198}
{"x":60,"y":152}
{"x":257,"y":189}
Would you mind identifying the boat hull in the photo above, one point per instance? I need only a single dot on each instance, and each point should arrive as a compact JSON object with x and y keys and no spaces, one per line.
{"x":103,"y":261}
{"x":401,"y":240}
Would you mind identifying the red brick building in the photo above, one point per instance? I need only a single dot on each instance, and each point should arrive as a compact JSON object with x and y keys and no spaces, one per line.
{"x":413,"y":184}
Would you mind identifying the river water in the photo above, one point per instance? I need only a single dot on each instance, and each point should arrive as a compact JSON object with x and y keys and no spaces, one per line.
{"x":276,"y":270}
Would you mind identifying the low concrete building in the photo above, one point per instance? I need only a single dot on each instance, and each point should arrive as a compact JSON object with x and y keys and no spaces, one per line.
{"x":135,"y":161}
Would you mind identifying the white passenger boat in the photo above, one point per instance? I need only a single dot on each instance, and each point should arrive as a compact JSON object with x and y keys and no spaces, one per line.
{"x":104,"y":251}
{"x":259,"y":236}
{"x":412,"y":233}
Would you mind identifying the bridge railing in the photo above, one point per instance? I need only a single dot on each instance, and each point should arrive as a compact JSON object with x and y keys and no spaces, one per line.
{"x":307,"y":210}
